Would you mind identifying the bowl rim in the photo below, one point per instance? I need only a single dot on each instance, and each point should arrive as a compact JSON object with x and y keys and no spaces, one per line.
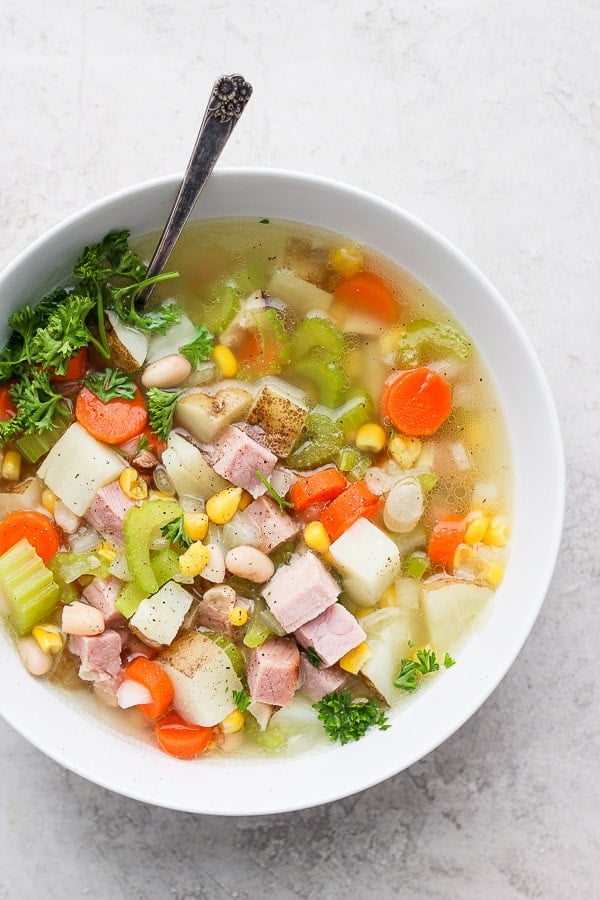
{"x":67,"y":750}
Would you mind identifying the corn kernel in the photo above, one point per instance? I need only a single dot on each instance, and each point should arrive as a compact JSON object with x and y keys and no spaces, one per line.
{"x":370,"y":437}
{"x":222,"y":507}
{"x":106,"y":551}
{"x":225,"y":360}
{"x":245,"y":500}
{"x":498,"y":532}
{"x":233,"y":723}
{"x":316,"y":537}
{"x":493,"y":573}
{"x":465,"y":558}
{"x":404,"y":450}
{"x":354,"y":659}
{"x":49,"y":499}
{"x":389,"y":341}
{"x":388,"y":598}
{"x":49,"y":637}
{"x":11,"y":465}
{"x":194,"y":559}
{"x":346,"y":260}
{"x":477,"y":525}
{"x":238,"y":616}
{"x":132,"y":484}
{"x":195,"y":525}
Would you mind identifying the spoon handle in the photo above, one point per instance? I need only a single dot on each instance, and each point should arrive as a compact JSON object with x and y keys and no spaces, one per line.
{"x":225,"y":106}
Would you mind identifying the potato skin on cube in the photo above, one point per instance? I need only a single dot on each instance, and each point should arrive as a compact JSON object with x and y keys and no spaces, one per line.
{"x":203,"y":678}
{"x":280,"y":418}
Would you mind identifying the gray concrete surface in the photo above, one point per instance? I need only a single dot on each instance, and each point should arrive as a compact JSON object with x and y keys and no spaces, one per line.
{"x":483,"y":119}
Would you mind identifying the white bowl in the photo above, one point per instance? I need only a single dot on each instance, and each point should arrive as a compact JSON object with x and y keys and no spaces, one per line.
{"x":73,"y":736}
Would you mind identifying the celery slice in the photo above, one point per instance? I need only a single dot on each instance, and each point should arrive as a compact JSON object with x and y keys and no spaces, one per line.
{"x":320,"y":441}
{"x":139,"y":525}
{"x":327,"y":375}
{"x":29,"y":587}
{"x":256,"y":634}
{"x":421,"y":334}
{"x":416,"y":564}
{"x":164,"y":564}
{"x":223,"y":300}
{"x":67,"y":566}
{"x":320,"y":333}
{"x":354,"y":412}
{"x":34,"y":446}
{"x":226,"y":644}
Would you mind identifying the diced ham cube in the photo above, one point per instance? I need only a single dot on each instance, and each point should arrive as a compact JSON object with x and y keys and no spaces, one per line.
{"x":331,"y":634}
{"x":275,"y":527}
{"x":107,"y":511}
{"x":214,"y":608}
{"x":100,"y":655}
{"x":236,"y":457}
{"x":300,"y":591}
{"x":272,"y":671}
{"x":102,"y":593}
{"x":316,"y":682}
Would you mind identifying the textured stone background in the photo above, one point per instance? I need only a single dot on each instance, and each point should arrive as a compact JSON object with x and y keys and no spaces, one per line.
{"x":481,"y":118}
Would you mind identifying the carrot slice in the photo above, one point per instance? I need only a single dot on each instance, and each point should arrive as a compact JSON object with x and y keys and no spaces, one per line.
{"x":178,"y":738}
{"x":153,"y":677}
{"x":7,"y":408}
{"x":317,"y":488}
{"x":114,"y":422}
{"x":355,"y":502}
{"x":416,"y":401}
{"x":368,"y":293}
{"x":35,"y":527}
{"x":446,"y":535}
{"x":75,"y":367}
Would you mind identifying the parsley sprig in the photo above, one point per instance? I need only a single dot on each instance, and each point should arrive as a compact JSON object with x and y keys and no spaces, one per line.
{"x":271,"y":490}
{"x":200,"y":348}
{"x":110,"y":384}
{"x":345,"y":719}
{"x":412,"y":670}
{"x":161,"y":409}
{"x":313,"y":657}
{"x":175,"y":533}
{"x":241,"y":699}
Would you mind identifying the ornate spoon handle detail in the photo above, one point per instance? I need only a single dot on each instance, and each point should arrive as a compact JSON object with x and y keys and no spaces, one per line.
{"x":225,"y":106}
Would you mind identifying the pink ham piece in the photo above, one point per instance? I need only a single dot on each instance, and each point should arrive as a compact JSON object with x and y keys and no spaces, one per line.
{"x":100,"y":655}
{"x":315,"y":682}
{"x":236,"y":457}
{"x":331,"y":634}
{"x":300,"y":591}
{"x":102,"y":593}
{"x":274,"y":526}
{"x":107,"y":511}
{"x":272,"y":671}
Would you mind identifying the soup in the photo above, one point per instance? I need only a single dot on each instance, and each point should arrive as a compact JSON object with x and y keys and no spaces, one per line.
{"x":269,"y":507}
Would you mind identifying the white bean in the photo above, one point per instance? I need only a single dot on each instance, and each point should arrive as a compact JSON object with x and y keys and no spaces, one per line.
{"x":79,"y":618}
{"x":167,"y":372}
{"x":250,"y":563}
{"x":34,"y":659}
{"x":404,"y":506}
{"x":221,"y":593}
{"x":214,"y":570}
{"x":66,"y":519}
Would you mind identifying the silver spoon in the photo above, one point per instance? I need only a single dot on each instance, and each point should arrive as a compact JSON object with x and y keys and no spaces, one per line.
{"x":225,"y":106}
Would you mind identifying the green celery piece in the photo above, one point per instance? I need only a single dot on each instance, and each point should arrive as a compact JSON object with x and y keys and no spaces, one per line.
{"x":347,"y":458}
{"x":29,"y":587}
{"x":34,"y":446}
{"x":327,"y":375}
{"x":271,"y":739}
{"x":226,"y":644}
{"x":223,"y":300}
{"x":360,"y":467}
{"x":67,"y":566}
{"x":354,"y":412}
{"x":320,"y":333}
{"x":427,"y":480}
{"x":139,"y":525}
{"x":165,"y":565}
{"x":320,"y":441}
{"x":416,"y":565}
{"x":422,"y":334}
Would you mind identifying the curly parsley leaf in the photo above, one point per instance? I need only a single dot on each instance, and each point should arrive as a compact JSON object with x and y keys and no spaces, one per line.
{"x":313,"y":657}
{"x":38,"y":404}
{"x":111,"y":257}
{"x":241,"y":699}
{"x":411,"y":670}
{"x":65,"y":332}
{"x":176,"y":533}
{"x":161,"y":409}
{"x":271,"y":490}
{"x":11,"y":429}
{"x":345,"y":719}
{"x":143,"y":444}
{"x":448,"y":661}
{"x":200,"y":347}
{"x":156,"y":321}
{"x":110,"y":384}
